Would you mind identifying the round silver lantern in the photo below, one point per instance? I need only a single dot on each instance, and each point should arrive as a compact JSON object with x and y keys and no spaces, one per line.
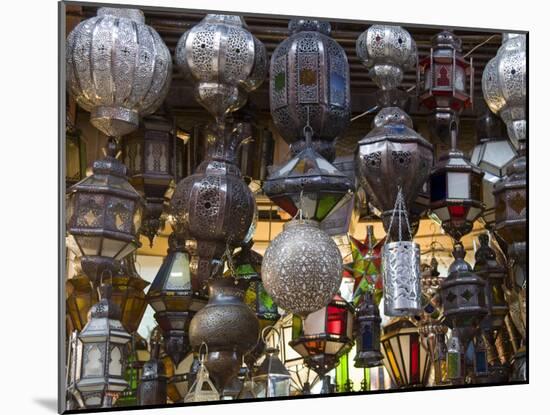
{"x":309,"y":80}
{"x":223,"y":60}
{"x":118,"y":69}
{"x":504,"y":85}
{"x":302,"y":268}
{"x":387,"y":52}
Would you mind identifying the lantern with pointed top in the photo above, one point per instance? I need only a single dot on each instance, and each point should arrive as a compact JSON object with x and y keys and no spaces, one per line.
{"x":271,"y":379}
{"x":202,"y":390}
{"x":368,"y":334}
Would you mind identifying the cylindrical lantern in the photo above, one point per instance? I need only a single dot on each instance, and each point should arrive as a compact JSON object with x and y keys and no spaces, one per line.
{"x":455,"y":359}
{"x":309,"y":84}
{"x":118,"y":68}
{"x":302,"y":268}
{"x":368,"y":334}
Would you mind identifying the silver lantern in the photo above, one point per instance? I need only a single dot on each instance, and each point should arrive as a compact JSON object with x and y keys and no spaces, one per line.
{"x":223,"y":60}
{"x":309,"y":80}
{"x":118,"y":69}
{"x":504,"y":85}
{"x":302,"y":268}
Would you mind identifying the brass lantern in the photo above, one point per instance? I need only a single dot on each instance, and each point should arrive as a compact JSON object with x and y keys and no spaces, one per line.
{"x":103,"y":216}
{"x":104,"y":339}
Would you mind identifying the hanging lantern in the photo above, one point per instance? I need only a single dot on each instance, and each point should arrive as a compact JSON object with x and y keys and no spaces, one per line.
{"x":103,"y":339}
{"x":455,"y":186}
{"x":492,"y":154}
{"x":392,"y":155}
{"x":366,"y":268}
{"x":152,"y":387}
{"x":387,"y":52}
{"x":302,"y":268}
{"x":81,"y":295}
{"x":247,"y":391}
{"x":309,"y":182}
{"x":504,"y":85}
{"x":309,"y":80}
{"x":405,"y":358}
{"x":118,"y":68}
{"x":223,"y":60}
{"x":202,"y":390}
{"x":325,"y":335}
{"x":137,"y":358}
{"x":172,"y":297}
{"x":228,"y":326}
{"x":271,"y":379}
{"x":455,"y":359}
{"x":442,"y":82}
{"x":75,"y":154}
{"x":368,"y":334}
{"x":103,"y":216}
{"x":481,"y":369}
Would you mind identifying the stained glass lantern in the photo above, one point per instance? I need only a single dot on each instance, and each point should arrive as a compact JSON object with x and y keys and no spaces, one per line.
{"x":492,"y":154}
{"x":172,"y":297}
{"x":98,"y":384}
{"x":81,"y":296}
{"x":138,"y":355}
{"x":481,"y":368}
{"x":368,"y":334}
{"x":456,"y":186}
{"x":325,"y":335}
{"x":271,"y":379}
{"x":75,"y":155}
{"x":308,"y":181}
{"x":103,"y":216}
{"x":202,"y":390}
{"x":445,"y":82}
{"x":310,"y":84}
{"x":455,"y":359}
{"x":405,"y":357}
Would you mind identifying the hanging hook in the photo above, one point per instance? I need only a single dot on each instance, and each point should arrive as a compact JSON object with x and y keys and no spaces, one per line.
{"x":202,"y":357}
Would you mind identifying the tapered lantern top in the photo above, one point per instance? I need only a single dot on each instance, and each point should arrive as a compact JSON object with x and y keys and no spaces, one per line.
{"x":447,"y":40}
{"x":309,"y":25}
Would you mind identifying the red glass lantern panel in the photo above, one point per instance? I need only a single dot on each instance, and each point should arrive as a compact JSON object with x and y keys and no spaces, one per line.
{"x":336,"y":320}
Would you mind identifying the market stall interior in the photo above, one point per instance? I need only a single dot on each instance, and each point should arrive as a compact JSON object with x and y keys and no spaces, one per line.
{"x":262,"y":206}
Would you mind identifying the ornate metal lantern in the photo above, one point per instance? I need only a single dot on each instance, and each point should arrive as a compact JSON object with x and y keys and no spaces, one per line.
{"x":504,"y":85}
{"x":325,"y":335}
{"x":368,"y":334}
{"x":103,"y":216}
{"x":387,"y":52}
{"x":308,"y":182}
{"x":152,"y":388}
{"x":174,"y":300}
{"x":302,"y":268}
{"x":392,"y":155}
{"x":202,"y":390}
{"x":492,"y":154}
{"x":223,"y":60}
{"x":228,"y":326}
{"x":118,"y":68}
{"x":309,"y":80}
{"x":98,"y":384}
{"x":406,"y":359}
{"x":442,"y":81}
{"x":455,"y":186}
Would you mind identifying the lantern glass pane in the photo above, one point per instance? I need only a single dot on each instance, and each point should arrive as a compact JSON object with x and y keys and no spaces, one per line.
{"x":442,"y":213}
{"x":72,"y":245}
{"x":128,"y":249}
{"x":405,"y":341}
{"x":438,"y":187}
{"x":458,"y":185}
{"x":89,"y":244}
{"x":473,"y":213}
{"x":278,"y":387}
{"x":112,"y":247}
{"x":498,"y":153}
{"x":333,"y":347}
{"x":395,"y":345}
{"x":179,"y":278}
{"x":115,"y":363}
{"x":315,"y":322}
{"x":336,"y":320}
{"x":93,"y":361}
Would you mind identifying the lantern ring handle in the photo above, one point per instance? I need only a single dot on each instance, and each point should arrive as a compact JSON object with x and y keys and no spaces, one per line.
{"x":202,"y":357}
{"x":268,"y":329}
{"x":102,"y":273}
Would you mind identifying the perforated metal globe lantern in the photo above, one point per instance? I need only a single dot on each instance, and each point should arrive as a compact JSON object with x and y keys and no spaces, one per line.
{"x":118,"y":69}
{"x":309,"y":80}
{"x":223,"y":60}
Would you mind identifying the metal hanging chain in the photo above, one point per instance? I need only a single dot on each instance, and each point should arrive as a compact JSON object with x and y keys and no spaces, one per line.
{"x":399,"y":207}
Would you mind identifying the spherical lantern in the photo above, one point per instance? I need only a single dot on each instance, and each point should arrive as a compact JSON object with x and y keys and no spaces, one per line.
{"x":392,"y":155}
{"x":504,"y":85}
{"x":302,"y":268}
{"x":118,"y":68}
{"x":492,"y":154}
{"x":445,"y":82}
{"x":103,"y":216}
{"x":223,"y":60}
{"x":368,"y":334}
{"x":309,"y":83}
{"x":98,"y":384}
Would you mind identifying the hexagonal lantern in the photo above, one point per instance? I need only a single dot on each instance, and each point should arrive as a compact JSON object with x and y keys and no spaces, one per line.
{"x":492,"y":154}
{"x":442,"y":82}
{"x":368,"y":334}
{"x":103,"y":216}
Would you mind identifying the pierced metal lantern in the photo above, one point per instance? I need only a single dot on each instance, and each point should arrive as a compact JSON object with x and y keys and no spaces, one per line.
{"x":272,"y":378}
{"x":390,"y":156}
{"x":405,"y":357}
{"x":174,"y":300}
{"x":492,"y":154}
{"x":387,"y":51}
{"x":302,"y":268}
{"x":118,"y":69}
{"x":455,"y":186}
{"x":309,"y":81}
{"x":368,"y":334}
{"x":445,"y":82}
{"x":100,"y":356}
{"x":325,"y":335}
{"x":103,"y":216}
{"x":310,"y":183}
{"x":504,"y":85}
{"x":223,"y":60}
